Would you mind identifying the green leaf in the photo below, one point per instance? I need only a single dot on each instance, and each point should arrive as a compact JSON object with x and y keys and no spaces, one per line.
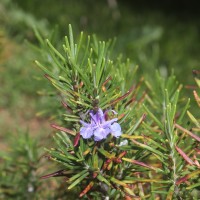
{"x":153,"y":131}
{"x":60,"y":145}
{"x":71,"y":38}
{"x":77,"y":181}
{"x":67,"y":157}
{"x":193,"y":186}
{"x":99,"y":67}
{"x":102,"y":179}
{"x":160,"y":154}
{"x":38,"y":36}
{"x":184,"y":111}
{"x":157,"y":144}
{"x":130,"y":180}
{"x":55,"y":51}
{"x":136,"y":125}
{"x":135,"y":162}
{"x":95,"y":161}
{"x":154,"y":117}
{"x":106,"y":154}
{"x":166,"y":98}
{"x":79,"y":46}
{"x":188,"y":176}
{"x":86,"y":53}
{"x":118,"y":182}
{"x":193,"y":119}
{"x":159,"y":192}
{"x":170,"y":193}
{"x":77,"y":175}
{"x":174,"y":103}
{"x":45,"y":69}
{"x":66,"y":140}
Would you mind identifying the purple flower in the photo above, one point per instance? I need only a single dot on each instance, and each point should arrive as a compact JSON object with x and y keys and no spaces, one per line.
{"x":87,"y":130}
{"x":116,"y":129}
{"x":99,"y":127}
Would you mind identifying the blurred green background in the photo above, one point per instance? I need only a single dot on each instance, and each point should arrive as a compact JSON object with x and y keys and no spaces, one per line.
{"x":157,"y":35}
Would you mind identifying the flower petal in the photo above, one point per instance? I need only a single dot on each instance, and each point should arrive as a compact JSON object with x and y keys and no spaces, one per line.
{"x":98,"y":117}
{"x":86,"y":132}
{"x":93,"y":117}
{"x":109,"y":123}
{"x":116,"y":129}
{"x":101,"y":117}
{"x":101,"y":133}
{"x":85,"y":123}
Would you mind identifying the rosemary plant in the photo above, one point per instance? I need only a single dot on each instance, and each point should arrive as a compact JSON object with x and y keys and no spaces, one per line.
{"x":120,"y":138}
{"x":19,"y":179}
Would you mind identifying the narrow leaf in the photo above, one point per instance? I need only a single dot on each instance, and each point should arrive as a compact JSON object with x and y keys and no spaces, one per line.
{"x":153,"y":117}
{"x":44,"y":69}
{"x":63,"y":129}
{"x":77,"y":175}
{"x":193,"y":186}
{"x":185,"y":157}
{"x":54,"y":174}
{"x":101,"y":178}
{"x":193,"y":119}
{"x":132,"y":136}
{"x":78,"y":180}
{"x":170,"y":193}
{"x":76,"y":139}
{"x":149,"y":148}
{"x":184,"y":111}
{"x":188,"y":176}
{"x":88,"y":187}
{"x":105,"y":153}
{"x":188,"y":132}
{"x":59,"y":173}
{"x":142,"y":180}
{"x":55,"y":51}
{"x":123,"y":96}
{"x":95,"y":161}
{"x":197,"y":97}
{"x":138,"y":163}
{"x":71,"y":39}
{"x":116,"y":181}
{"x":136,"y":125}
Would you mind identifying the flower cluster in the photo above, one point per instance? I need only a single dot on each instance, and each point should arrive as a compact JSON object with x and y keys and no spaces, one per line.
{"x":99,"y":127}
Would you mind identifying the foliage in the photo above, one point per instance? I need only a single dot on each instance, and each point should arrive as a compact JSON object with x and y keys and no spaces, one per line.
{"x":155,"y":157}
{"x":19,"y":168}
